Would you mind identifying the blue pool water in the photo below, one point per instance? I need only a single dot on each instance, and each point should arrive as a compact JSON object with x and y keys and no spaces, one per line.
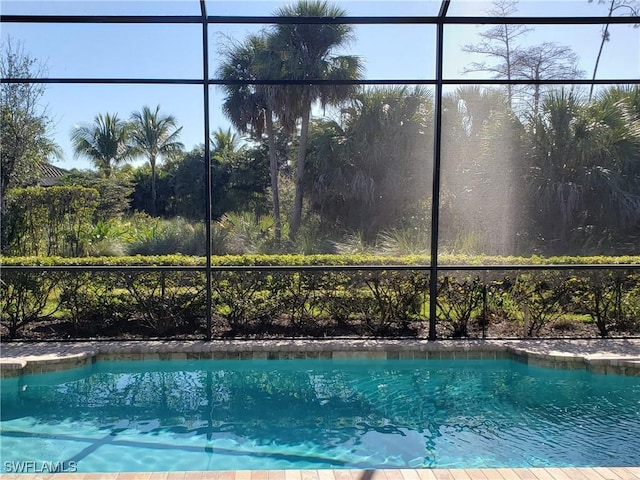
{"x":275,"y":414}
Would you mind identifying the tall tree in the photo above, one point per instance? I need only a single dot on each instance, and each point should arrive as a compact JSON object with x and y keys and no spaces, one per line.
{"x":548,"y":60}
{"x":500,"y":43}
{"x":250,"y":108}
{"x":105,"y":142}
{"x":189,"y":184}
{"x":24,"y":129}
{"x":307,"y":52}
{"x":154,"y":136}
{"x":632,"y":9}
{"x":516,"y":62}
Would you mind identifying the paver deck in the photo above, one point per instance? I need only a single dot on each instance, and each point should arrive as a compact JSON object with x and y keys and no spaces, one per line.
{"x":599,"y":473}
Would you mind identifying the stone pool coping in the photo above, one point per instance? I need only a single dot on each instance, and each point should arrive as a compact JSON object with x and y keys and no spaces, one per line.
{"x":604,"y":356}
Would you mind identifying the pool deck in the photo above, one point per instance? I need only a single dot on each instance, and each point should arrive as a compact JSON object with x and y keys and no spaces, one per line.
{"x":610,"y":356}
{"x":597,"y":473}
{"x":605,"y":356}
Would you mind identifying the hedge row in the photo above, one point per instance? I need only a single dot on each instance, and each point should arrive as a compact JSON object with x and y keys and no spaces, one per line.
{"x":303,"y":260}
{"x":169,"y":304}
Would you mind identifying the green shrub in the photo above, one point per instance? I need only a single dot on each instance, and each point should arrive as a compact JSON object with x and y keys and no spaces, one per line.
{"x":407,"y":241}
{"x":500,"y":301}
{"x":48,"y":221}
{"x":542,"y":297}
{"x":598,"y":294}
{"x":242,"y":299}
{"x":164,"y":237}
{"x":26,"y":297}
{"x":630,"y":321}
{"x":167,"y":303}
{"x":343,"y":300}
{"x":125,"y":302}
{"x":93,"y":303}
{"x":458,"y":298}
{"x":398,"y":299}
{"x":296,"y":294}
{"x":353,"y":244}
{"x":106,"y":239}
{"x":323,"y":259}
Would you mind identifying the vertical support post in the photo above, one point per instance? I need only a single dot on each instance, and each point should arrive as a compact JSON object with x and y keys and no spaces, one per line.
{"x":435,"y":195}
{"x":485,"y":309}
{"x":207,"y":159}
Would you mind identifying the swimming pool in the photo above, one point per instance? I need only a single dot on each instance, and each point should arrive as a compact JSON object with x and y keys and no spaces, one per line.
{"x":279,"y":414}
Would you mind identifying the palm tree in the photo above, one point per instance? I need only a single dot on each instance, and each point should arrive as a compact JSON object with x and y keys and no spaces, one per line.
{"x":482,"y":153}
{"x":306,"y":53}
{"x":224,"y":144}
{"x":154,"y":136}
{"x":369,"y":171}
{"x":105,"y":142}
{"x":583,"y":178}
{"x":250,"y":108}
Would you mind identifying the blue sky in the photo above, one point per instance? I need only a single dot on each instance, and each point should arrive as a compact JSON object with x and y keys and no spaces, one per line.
{"x":388,"y":51}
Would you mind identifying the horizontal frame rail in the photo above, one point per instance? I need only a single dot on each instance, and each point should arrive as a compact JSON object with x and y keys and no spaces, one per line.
{"x":416,"y":81}
{"x":355,"y":20}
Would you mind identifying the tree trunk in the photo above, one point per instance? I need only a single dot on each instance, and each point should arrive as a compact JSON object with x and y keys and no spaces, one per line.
{"x":153,"y":186}
{"x":273,"y":168}
{"x":605,"y":33}
{"x":302,"y":153}
{"x":4,"y":186}
{"x":536,"y":93}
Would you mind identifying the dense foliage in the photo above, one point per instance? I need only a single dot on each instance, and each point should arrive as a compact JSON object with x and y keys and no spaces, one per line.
{"x":49,"y":221}
{"x":25,"y":125}
{"x":563,"y":181}
{"x":266,"y":301}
